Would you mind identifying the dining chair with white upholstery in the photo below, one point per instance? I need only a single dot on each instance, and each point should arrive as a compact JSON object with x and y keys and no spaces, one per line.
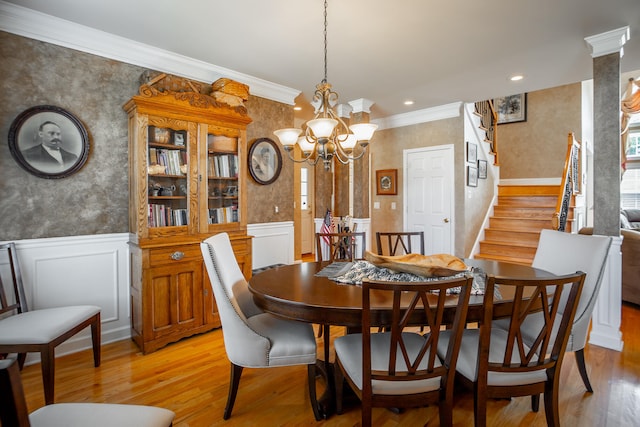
{"x":400,"y":368}
{"x":563,"y":253}
{"x":13,"y":409}
{"x":253,"y":338}
{"x":41,"y":330}
{"x":499,"y":362}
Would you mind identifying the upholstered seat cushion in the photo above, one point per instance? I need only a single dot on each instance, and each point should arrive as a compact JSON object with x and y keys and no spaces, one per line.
{"x":292,"y":343}
{"x":468,"y":358}
{"x":100,"y":415}
{"x":42,"y":326}
{"x":349,"y":350}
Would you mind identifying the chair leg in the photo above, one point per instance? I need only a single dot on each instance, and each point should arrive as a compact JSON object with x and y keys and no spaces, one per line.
{"x":234,"y":381}
{"x":479,"y":408}
{"x":95,"y":340}
{"x":445,"y":410}
{"x":311,"y":373}
{"x":582,"y":368}
{"x":551,"y":407}
{"x":327,"y":342}
{"x":339,"y":387}
{"x":535,"y":402}
{"x":48,"y":366}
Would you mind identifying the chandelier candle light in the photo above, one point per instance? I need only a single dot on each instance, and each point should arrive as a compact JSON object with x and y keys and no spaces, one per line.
{"x":326,"y":136}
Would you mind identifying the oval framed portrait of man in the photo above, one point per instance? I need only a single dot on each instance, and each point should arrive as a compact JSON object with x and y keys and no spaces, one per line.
{"x":48,"y":142}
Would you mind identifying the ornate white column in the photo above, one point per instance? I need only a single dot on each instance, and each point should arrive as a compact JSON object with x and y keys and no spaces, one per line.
{"x":606,"y":50}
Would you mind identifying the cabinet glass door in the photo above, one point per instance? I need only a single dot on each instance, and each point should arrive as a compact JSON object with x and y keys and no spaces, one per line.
{"x":168,"y":168}
{"x":222,"y":176}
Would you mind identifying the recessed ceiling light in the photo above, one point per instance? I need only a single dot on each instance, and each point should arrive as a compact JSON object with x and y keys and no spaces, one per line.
{"x":408,"y":102}
{"x":296,"y":108}
{"x":516,"y":77}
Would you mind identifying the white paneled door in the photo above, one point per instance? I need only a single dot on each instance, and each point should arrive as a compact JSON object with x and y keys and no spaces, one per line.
{"x":428,"y":188}
{"x":306,"y":200}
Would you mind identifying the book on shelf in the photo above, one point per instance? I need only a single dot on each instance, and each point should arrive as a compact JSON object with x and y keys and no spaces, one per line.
{"x":223,"y":166}
{"x":173,"y":160}
{"x":165,"y":216}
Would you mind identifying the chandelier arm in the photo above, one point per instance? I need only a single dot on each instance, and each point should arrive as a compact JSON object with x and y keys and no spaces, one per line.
{"x":344,"y":157}
{"x":308,"y":158}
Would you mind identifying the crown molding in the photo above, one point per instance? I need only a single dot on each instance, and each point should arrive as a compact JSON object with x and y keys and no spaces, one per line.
{"x":609,"y":42}
{"x":39,"y":26}
{"x":441,"y":112}
{"x":32,"y":24}
{"x":361,"y":105}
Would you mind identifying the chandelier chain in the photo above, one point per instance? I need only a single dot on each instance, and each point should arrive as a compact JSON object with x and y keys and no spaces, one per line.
{"x":325,"y":41}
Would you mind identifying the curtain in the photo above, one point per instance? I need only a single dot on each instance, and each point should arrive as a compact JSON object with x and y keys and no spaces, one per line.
{"x":629,"y":105}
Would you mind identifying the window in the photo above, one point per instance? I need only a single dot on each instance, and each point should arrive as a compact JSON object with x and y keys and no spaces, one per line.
{"x":630,"y":189}
{"x":630,"y":185}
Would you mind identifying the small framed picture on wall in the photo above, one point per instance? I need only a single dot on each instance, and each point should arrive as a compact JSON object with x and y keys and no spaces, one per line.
{"x":482,"y":169}
{"x":472,"y":152}
{"x":386,"y":182}
{"x":472,"y":176}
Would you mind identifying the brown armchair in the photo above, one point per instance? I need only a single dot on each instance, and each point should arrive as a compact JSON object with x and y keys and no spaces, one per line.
{"x":630,"y":263}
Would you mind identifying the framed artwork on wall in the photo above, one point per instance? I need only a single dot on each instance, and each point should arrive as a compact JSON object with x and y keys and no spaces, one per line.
{"x":482,"y":169}
{"x":511,"y":109}
{"x":386,"y":182}
{"x":48,"y":142}
{"x":265,"y":161}
{"x":472,"y":152}
{"x":472,"y":176}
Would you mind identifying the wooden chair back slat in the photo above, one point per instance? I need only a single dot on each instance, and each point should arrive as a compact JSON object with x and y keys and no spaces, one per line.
{"x":16,"y":302}
{"x":349,"y":246}
{"x":412,"y":300}
{"x":399,"y":243}
{"x":532,"y":296}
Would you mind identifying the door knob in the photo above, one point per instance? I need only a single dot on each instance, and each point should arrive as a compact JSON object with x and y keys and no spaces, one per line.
{"x":446,"y":220}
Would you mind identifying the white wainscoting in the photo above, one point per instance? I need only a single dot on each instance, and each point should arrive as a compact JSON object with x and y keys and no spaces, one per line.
{"x":272,"y":243}
{"x":78,"y":270}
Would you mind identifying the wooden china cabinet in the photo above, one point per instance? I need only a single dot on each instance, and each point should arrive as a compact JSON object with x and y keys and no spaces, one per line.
{"x":187,"y":162}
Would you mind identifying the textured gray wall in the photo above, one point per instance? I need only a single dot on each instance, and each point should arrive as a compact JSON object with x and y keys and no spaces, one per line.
{"x":95,"y":199}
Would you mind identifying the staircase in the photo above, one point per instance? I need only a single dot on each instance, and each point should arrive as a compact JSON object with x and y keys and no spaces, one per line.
{"x":514,"y":229}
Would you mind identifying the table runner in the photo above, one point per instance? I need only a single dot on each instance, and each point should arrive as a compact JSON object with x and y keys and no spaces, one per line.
{"x":352,"y":273}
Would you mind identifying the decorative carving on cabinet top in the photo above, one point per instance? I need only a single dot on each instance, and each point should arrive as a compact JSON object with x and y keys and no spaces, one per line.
{"x":222,"y":94}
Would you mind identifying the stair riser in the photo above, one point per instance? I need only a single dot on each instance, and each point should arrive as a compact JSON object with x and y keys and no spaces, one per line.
{"x":504,"y":259}
{"x":527,"y":190}
{"x":506,"y":250}
{"x":519,"y":224}
{"x":523,"y":212}
{"x":508,"y":236}
{"x":530,"y":201}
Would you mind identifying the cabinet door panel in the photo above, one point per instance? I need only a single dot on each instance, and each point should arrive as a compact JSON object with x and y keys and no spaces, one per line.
{"x":176,"y":299}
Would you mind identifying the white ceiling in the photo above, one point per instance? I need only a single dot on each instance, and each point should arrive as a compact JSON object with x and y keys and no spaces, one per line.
{"x":433,"y":52}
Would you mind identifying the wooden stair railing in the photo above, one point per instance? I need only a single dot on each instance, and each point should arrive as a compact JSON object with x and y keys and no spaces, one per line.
{"x":489,"y":124}
{"x":570,"y":185}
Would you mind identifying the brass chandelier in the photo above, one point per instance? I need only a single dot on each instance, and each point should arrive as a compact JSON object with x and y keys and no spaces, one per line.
{"x":326,"y":136}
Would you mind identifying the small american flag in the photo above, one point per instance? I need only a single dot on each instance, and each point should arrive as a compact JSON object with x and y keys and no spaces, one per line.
{"x":327,"y":226}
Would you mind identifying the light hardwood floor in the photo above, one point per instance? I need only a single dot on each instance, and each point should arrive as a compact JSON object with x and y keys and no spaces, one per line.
{"x":191,"y":378}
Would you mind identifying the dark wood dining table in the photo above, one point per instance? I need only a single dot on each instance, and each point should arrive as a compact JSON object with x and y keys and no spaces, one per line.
{"x":296,"y":292}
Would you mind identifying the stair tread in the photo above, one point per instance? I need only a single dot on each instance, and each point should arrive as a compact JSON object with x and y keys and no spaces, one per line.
{"x":516,"y":243}
{"x":515,"y":260}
